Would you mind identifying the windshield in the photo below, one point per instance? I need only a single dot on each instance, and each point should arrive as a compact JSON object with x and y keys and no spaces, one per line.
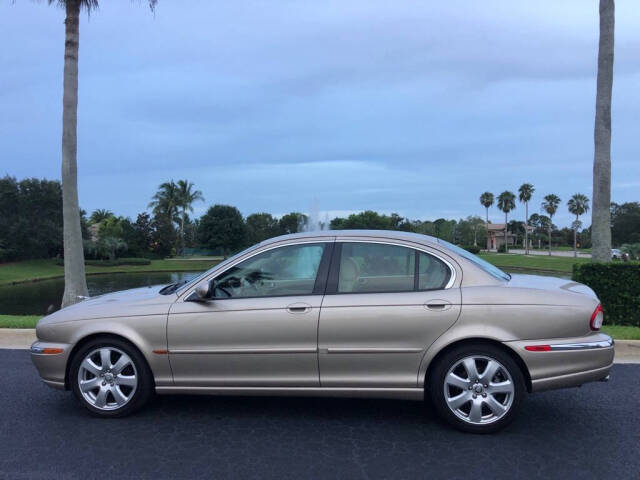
{"x":483,"y":264}
{"x":183,"y":286}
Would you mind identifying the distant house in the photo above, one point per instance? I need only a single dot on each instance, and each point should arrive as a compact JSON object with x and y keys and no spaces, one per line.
{"x":495,"y":236}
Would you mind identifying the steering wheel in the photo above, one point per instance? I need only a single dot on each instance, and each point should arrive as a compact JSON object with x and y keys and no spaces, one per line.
{"x":217,"y":286}
{"x":246,"y":284}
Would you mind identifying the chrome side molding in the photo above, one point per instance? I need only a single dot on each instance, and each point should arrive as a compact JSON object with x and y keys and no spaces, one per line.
{"x":582,"y":346}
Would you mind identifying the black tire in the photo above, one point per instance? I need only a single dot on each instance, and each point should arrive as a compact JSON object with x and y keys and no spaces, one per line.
{"x":145,"y":385}
{"x":436,"y":387}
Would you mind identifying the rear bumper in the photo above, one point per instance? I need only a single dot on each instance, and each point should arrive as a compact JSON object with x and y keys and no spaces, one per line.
{"x":569,"y":362}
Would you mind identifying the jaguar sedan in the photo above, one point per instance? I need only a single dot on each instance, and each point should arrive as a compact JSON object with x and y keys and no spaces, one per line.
{"x":340,"y":313}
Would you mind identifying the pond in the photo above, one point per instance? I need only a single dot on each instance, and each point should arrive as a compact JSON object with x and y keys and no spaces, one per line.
{"x":34,"y":298}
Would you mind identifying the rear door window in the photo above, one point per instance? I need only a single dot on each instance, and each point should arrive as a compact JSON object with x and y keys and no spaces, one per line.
{"x":374,"y":267}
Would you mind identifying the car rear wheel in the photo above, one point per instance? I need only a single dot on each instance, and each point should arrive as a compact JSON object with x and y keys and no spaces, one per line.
{"x":110,"y":378}
{"x":476,"y":388}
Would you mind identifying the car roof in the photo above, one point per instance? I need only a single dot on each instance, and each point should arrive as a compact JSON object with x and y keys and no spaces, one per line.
{"x":389,"y":234}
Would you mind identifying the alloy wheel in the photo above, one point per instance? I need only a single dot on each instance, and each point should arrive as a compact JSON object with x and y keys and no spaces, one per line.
{"x":479,"y":389}
{"x":107,"y":378}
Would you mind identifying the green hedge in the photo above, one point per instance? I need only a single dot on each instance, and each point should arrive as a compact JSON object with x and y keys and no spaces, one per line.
{"x":113,"y":263}
{"x":471,"y":248}
{"x":618,"y":287}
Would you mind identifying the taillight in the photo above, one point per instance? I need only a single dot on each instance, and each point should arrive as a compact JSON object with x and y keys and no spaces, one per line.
{"x":596,"y":318}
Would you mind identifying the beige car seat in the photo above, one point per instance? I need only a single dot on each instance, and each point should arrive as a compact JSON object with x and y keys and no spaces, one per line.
{"x":349,"y":274}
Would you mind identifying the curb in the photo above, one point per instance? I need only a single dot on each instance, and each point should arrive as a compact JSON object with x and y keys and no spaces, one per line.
{"x":627,"y":351}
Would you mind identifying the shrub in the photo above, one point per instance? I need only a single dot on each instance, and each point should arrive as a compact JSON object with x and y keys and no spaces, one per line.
{"x":471,"y":248}
{"x":618,"y":287}
{"x":502,"y":248}
{"x":633,"y":249}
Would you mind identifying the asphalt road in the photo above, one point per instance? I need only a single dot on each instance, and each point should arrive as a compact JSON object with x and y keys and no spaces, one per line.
{"x":587,"y":433}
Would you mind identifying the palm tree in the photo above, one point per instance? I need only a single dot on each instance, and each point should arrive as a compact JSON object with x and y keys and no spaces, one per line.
{"x":486,"y":199}
{"x":166,"y":201}
{"x":524,"y":195}
{"x":186,"y":197}
{"x":99,"y":215}
{"x":75,"y":282}
{"x":550,"y":205}
{"x":578,"y":205}
{"x":506,"y":203}
{"x":601,"y":215}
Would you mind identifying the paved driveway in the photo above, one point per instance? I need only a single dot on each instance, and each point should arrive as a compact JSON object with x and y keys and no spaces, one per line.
{"x":587,"y":433}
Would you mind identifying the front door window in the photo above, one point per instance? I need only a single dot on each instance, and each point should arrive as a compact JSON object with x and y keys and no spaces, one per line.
{"x":284,"y":271}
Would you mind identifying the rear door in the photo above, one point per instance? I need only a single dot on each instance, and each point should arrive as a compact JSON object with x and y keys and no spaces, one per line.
{"x":385,"y":305}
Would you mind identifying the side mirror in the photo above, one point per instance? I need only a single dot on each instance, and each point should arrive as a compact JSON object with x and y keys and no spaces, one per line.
{"x":203,"y":290}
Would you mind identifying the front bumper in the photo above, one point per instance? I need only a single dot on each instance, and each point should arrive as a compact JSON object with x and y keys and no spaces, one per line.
{"x":51,"y":366}
{"x":569,"y":362}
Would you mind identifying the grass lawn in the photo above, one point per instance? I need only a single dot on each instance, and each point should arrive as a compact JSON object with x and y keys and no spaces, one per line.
{"x":19,"y":321}
{"x":533,"y":262}
{"x":622,"y":333}
{"x":558,"y":249}
{"x":30,"y":270}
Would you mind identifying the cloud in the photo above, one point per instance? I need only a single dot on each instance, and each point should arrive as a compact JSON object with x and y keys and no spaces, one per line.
{"x":408,"y":107}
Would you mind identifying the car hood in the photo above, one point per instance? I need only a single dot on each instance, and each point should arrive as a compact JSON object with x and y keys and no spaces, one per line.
{"x":126,"y":303}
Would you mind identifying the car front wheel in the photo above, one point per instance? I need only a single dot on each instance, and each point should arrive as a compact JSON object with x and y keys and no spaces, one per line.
{"x":476,"y":388}
{"x":110,"y":378}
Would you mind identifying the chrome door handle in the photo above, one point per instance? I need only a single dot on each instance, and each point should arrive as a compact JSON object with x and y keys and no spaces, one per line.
{"x":438,"y":305}
{"x":299,"y":307}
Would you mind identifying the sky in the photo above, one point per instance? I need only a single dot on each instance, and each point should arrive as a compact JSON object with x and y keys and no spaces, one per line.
{"x":414,"y":107}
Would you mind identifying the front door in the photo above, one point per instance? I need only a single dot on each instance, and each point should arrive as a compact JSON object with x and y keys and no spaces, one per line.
{"x":384,"y":306}
{"x":259,"y":326}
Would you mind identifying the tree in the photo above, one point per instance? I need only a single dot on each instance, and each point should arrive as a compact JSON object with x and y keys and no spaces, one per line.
{"x":292,"y":222}
{"x":223,"y":227}
{"x":30,"y":218}
{"x":398,"y":222}
{"x":470,"y":231}
{"x":550,"y":205}
{"x":578,"y":205}
{"x":163,"y":237}
{"x":517,"y":228}
{"x":186,"y":196}
{"x":138,"y":235}
{"x":165,"y":213}
{"x":524,"y":195}
{"x":625,"y":223}
{"x":75,"y":283}
{"x":506,"y":203}
{"x":601,"y":217}
{"x":166,"y":200}
{"x":112,"y":245}
{"x":261,"y":226}
{"x":99,"y":215}
{"x":486,"y":199}
{"x":111,"y":227}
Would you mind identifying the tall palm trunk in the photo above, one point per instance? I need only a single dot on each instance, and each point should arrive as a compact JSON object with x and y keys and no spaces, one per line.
{"x":184,"y":213}
{"x":601,"y":213}
{"x":75,"y":283}
{"x":506,"y":242}
{"x":575,"y":243}
{"x":549,"y":240}
{"x":526,"y":228}
{"x":487,"y":211}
